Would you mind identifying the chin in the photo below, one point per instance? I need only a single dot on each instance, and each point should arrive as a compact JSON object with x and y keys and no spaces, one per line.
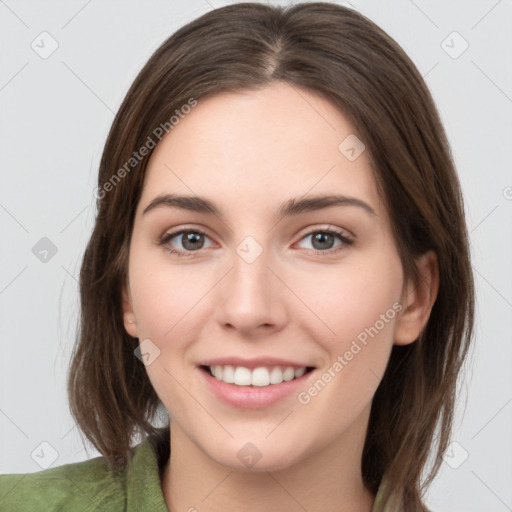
{"x":255,"y":457}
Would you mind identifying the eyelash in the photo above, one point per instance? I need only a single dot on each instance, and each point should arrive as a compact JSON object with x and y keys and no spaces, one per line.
{"x":167,"y":237}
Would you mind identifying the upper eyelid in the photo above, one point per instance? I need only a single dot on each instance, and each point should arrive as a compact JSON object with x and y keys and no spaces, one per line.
{"x":320,"y":227}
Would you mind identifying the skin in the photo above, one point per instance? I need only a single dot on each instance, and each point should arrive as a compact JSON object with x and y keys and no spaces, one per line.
{"x":249,"y":153}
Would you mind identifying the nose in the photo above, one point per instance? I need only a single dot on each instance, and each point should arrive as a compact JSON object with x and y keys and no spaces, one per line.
{"x":251,"y":298}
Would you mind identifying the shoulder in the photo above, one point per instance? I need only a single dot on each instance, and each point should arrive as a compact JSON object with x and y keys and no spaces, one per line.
{"x":85,"y":486}
{"x":90,"y":486}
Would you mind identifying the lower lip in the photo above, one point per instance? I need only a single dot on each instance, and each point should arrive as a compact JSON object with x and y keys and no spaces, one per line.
{"x":253,"y":397}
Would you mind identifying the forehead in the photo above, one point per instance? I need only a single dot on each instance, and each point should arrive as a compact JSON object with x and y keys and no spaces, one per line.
{"x":260,"y":148}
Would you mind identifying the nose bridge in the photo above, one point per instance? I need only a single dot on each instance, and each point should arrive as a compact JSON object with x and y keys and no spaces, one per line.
{"x":249,"y":295}
{"x":251,"y":277}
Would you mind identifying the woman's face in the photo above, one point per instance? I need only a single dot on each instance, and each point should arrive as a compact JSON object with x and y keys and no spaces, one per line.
{"x":263,"y":283}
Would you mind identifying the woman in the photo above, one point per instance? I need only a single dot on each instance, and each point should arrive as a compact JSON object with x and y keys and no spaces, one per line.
{"x":280,"y":264}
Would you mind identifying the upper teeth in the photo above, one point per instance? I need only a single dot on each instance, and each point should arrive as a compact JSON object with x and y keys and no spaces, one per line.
{"x":261,"y":376}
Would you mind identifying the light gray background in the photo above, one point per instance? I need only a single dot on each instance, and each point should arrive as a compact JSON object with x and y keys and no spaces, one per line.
{"x":56,"y":112}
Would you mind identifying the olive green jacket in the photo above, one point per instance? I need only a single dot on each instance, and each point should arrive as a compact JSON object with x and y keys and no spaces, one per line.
{"x":88,"y":486}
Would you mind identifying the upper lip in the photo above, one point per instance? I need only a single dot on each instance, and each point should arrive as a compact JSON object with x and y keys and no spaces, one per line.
{"x":253,"y":363}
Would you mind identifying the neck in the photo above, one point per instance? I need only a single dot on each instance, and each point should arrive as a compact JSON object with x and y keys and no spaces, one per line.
{"x":328,"y":480}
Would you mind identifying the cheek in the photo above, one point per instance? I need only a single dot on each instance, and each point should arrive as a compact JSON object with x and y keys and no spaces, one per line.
{"x":165,"y":299}
{"x":163,"y":293}
{"x":353,"y":297}
{"x":360,"y":305}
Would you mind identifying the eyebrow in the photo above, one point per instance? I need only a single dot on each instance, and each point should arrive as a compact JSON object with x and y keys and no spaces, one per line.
{"x":291,"y":207}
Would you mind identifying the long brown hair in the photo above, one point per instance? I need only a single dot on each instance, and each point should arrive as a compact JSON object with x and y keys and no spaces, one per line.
{"x":343,"y":56}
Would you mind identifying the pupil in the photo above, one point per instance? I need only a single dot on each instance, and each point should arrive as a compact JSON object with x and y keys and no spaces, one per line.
{"x":191,"y":238}
{"x":320,"y":237}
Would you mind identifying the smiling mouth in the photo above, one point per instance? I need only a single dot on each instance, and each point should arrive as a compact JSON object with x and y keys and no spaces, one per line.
{"x":258,"y":377}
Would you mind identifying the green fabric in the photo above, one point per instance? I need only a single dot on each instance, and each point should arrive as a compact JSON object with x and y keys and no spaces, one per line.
{"x":88,"y":486}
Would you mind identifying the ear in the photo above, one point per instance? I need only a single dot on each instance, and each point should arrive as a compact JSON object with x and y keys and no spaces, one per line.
{"x":130,"y":323}
{"x":418,"y":299}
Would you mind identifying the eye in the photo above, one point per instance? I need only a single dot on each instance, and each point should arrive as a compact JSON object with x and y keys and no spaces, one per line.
{"x":323,"y":240}
{"x":191,"y":240}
